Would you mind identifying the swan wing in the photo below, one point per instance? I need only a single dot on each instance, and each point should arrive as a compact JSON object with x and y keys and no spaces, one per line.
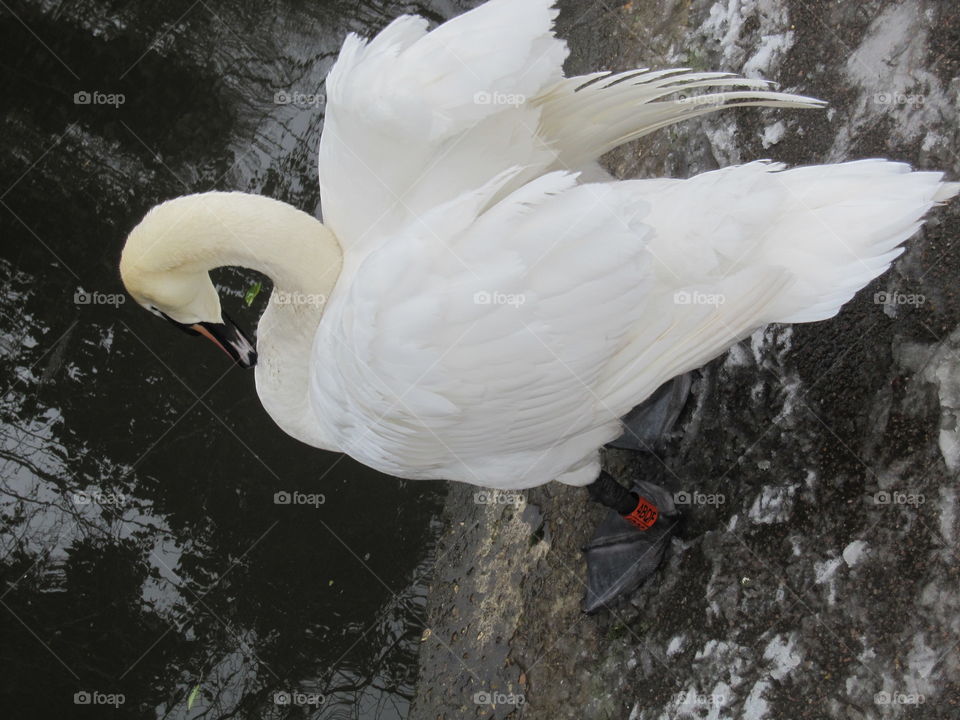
{"x":415,"y":118}
{"x":499,"y":344}
{"x":744,"y":246}
{"x":469,"y":346}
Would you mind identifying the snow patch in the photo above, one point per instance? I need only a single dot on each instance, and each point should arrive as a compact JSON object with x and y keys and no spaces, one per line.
{"x":825,"y":570}
{"x":725,"y":25}
{"x":771,"y":51}
{"x":755,"y":707}
{"x":772,"y":505}
{"x":676,"y":645}
{"x":781,"y":652}
{"x":889,"y":68}
{"x":725,"y":149}
{"x":854,"y":552}
{"x":772,"y":134}
{"x":737,"y":357}
{"x":922,"y":657}
{"x":719,"y":657}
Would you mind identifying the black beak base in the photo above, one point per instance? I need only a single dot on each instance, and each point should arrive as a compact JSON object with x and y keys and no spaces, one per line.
{"x":228,"y":336}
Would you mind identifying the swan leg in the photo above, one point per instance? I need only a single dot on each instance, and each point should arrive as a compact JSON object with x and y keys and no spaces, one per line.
{"x":645,"y":427}
{"x":630,"y":542}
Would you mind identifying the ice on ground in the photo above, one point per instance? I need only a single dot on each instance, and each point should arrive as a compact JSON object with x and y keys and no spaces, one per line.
{"x":726,"y":25}
{"x":676,"y":644}
{"x":772,"y":49}
{"x":737,"y":357}
{"x":773,"y":505}
{"x":772,"y":134}
{"x":722,"y":659}
{"x":824,"y":570}
{"x":783,"y":655}
{"x":725,"y":148}
{"x":823,"y":573}
{"x":854,"y":552}
{"x":920,"y":662}
{"x":755,"y":707}
{"x":890,"y":69}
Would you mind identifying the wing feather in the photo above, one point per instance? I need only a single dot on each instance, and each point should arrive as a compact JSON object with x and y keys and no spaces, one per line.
{"x":414,"y":119}
{"x":494,"y":363}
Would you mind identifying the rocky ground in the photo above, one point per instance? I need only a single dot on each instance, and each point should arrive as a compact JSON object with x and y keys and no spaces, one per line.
{"x":816,"y":572}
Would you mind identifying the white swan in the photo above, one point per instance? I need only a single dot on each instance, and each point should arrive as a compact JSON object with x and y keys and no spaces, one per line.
{"x":489,"y":314}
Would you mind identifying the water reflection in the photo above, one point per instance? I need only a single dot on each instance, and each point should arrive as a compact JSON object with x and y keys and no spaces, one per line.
{"x":143,"y":556}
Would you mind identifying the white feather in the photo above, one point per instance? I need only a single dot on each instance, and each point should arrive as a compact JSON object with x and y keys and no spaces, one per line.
{"x":496,"y":313}
{"x":414,"y":119}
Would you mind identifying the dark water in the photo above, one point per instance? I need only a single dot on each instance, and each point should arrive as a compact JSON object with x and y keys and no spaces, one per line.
{"x":141,"y":551}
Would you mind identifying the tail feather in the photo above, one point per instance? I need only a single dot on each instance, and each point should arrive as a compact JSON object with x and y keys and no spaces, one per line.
{"x":844,"y":227}
{"x":745,"y":246}
{"x":834,"y":227}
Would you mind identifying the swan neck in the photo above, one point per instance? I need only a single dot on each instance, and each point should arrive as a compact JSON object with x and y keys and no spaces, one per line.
{"x":292,"y":248}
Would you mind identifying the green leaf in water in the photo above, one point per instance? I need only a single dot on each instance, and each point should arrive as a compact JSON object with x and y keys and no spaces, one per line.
{"x":196,"y":690}
{"x":252,"y":293}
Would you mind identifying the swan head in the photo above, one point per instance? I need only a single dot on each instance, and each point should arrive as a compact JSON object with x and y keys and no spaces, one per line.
{"x":164,"y":270}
